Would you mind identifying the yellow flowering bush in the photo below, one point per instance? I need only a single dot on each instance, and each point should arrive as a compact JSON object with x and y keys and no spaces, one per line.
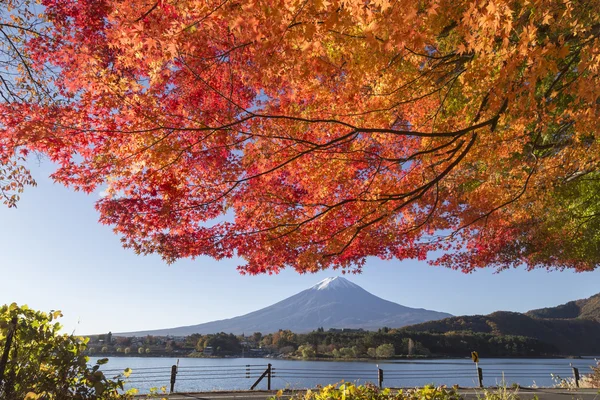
{"x":349,"y":391}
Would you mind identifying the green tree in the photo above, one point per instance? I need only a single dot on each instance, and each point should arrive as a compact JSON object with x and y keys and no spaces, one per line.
{"x":256,"y":337}
{"x":267,"y":341}
{"x":344,"y":352}
{"x":307,"y":351}
{"x":200,"y":344}
{"x":385,"y":351}
{"x":192,"y":340}
{"x":45,"y":364}
{"x":224,"y":343}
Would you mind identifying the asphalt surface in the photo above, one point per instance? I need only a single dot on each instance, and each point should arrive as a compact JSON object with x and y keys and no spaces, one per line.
{"x":469,"y":394}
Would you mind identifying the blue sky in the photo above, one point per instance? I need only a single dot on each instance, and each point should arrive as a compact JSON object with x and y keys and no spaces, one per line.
{"x":55,"y":255}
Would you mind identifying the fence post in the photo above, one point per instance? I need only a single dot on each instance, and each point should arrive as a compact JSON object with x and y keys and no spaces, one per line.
{"x":260,"y":378}
{"x":380,"y":377}
{"x":480,"y":376}
{"x":173,"y":377}
{"x":4,"y":359}
{"x":576,"y":376}
{"x":269,"y":377}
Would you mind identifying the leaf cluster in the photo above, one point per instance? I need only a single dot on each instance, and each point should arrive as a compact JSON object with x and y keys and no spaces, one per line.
{"x":44,"y":363}
{"x":316,"y":134}
{"x":350,"y":391}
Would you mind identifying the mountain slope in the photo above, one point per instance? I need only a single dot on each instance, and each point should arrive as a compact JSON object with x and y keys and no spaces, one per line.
{"x":332,"y":303}
{"x":572,"y":328}
{"x":584,"y":309}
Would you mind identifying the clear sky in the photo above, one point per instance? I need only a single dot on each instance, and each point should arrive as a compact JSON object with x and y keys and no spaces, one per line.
{"x":55,"y":255}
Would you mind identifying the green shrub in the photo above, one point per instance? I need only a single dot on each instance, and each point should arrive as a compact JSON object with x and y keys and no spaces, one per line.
{"x":344,"y":352}
{"x":385,"y":351}
{"x":307,"y":351}
{"x":371,"y":352}
{"x":45,"y":364}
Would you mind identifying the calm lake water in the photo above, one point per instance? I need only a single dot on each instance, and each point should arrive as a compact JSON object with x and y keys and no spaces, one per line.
{"x":197,"y":374}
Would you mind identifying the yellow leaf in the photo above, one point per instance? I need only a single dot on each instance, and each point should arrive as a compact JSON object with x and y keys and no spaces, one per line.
{"x":564,"y":51}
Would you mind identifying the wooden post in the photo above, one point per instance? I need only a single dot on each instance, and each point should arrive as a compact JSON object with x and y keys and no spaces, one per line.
{"x":267,"y":372}
{"x":173,"y":377}
{"x":480,"y":376}
{"x":269,"y":377}
{"x":380,"y":377}
{"x":576,"y":376}
{"x":7,"y":345}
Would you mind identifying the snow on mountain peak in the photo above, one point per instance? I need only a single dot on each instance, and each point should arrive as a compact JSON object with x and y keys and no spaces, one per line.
{"x":334,"y":283}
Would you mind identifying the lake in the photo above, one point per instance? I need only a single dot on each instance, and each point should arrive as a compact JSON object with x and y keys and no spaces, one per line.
{"x":204,"y":374}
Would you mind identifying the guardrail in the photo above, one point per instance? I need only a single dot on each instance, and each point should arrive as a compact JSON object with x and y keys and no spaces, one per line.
{"x":256,"y":373}
{"x":169,"y":376}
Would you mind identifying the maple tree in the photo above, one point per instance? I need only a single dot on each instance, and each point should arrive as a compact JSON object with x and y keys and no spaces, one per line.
{"x":314,"y":134}
{"x":19,"y":82}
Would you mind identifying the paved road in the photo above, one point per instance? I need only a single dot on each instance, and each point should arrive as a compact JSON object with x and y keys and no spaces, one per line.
{"x":469,"y":394}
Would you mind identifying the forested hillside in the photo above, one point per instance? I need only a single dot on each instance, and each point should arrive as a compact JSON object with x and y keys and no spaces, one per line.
{"x":583,"y":309}
{"x":571,"y":328}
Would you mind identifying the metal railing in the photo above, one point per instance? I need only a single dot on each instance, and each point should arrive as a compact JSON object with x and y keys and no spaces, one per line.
{"x":256,"y":373}
{"x":169,"y":376}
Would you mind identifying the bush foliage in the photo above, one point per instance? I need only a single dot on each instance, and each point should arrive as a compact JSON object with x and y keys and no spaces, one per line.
{"x":349,"y":391}
{"x":46,"y":364}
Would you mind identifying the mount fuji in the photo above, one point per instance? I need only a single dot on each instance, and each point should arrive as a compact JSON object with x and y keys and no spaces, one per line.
{"x":332,"y":303}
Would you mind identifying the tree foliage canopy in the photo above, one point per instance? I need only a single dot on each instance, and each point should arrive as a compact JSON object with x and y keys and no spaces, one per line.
{"x":313,"y":134}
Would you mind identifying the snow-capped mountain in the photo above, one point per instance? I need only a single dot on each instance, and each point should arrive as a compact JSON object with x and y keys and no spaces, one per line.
{"x":334,"y":283}
{"x":332,"y":303}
